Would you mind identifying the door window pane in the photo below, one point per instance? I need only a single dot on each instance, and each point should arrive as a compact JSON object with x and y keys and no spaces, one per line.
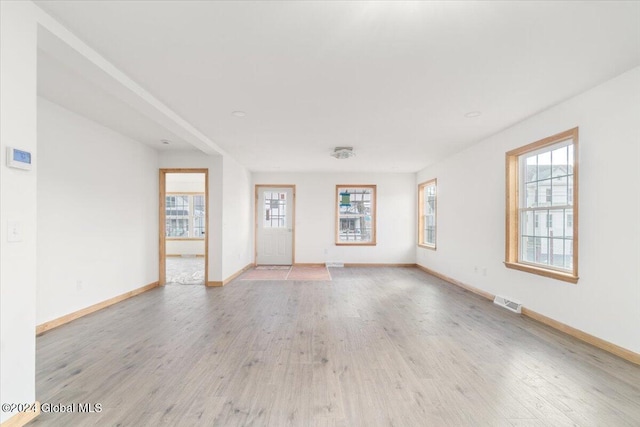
{"x":275,"y":209}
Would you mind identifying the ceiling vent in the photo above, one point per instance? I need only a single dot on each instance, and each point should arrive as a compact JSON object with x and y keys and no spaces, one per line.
{"x":343,"y":152}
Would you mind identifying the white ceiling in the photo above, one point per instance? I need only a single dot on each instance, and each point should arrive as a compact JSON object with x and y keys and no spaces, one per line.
{"x":392,"y":79}
{"x":70,"y":89}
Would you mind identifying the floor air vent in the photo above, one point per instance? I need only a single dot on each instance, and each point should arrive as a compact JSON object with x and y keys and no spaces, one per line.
{"x":516,"y":307}
{"x":335,"y":264}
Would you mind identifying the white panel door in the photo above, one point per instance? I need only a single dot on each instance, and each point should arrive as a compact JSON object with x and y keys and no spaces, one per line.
{"x":274,"y":228}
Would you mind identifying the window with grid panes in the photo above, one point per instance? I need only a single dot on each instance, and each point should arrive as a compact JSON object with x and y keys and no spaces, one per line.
{"x":427,"y":214}
{"x":356,"y":215}
{"x":185,"y":216}
{"x":542,"y":186}
{"x":275,"y":209}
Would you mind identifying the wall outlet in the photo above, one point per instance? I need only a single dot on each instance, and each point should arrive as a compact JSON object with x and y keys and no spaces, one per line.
{"x":14,"y":231}
{"x":326,"y":251}
{"x":79,"y":285}
{"x":484,"y":271}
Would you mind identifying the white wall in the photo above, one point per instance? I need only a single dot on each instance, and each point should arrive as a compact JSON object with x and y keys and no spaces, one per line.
{"x":237,"y":224}
{"x":97,"y":213}
{"x":185,"y":247}
{"x":315,"y":216}
{"x":471,"y":232}
{"x":185,"y":182}
{"x":18,"y":85}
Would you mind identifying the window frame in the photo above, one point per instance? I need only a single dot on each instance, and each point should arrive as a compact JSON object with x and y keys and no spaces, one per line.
{"x":374,"y":216}
{"x":422,"y":216}
{"x":512,"y":205}
{"x":191,"y":217}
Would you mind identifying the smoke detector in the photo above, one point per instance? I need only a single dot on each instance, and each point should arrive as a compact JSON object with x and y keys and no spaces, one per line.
{"x":343,"y":152}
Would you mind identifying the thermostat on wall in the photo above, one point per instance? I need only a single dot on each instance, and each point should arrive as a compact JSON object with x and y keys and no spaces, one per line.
{"x":18,"y":159}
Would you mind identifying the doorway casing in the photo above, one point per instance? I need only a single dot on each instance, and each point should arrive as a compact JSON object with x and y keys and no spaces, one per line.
{"x":162,"y":276}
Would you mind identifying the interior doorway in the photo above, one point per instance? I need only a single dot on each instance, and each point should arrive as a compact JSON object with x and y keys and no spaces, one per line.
{"x":275,"y":222}
{"x":184,"y":227}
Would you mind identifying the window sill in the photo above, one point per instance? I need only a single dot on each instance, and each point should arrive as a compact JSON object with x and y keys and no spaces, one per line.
{"x":553,"y":274}
{"x":185,"y":238}
{"x":421,"y":245}
{"x":356,"y":244}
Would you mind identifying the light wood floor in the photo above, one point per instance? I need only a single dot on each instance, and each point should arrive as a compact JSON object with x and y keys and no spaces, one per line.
{"x":374,"y":347}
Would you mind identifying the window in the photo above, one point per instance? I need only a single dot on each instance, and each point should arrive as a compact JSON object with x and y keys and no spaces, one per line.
{"x":275,"y":209}
{"x":427,"y":214}
{"x":355,"y":215}
{"x":542,"y":232}
{"x":198,"y":216}
{"x":185,"y":216}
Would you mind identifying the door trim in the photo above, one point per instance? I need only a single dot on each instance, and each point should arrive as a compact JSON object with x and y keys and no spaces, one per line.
{"x":162,"y":274}
{"x":256,"y":216}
